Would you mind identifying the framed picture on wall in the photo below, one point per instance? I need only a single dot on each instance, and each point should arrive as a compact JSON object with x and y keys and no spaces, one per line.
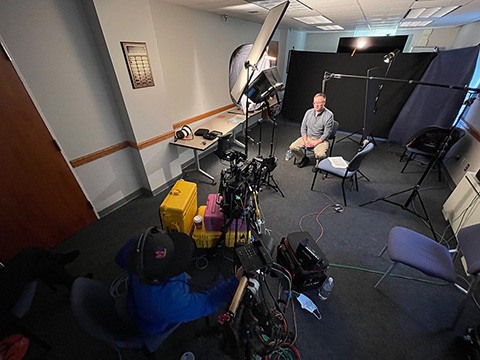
{"x":138,"y":64}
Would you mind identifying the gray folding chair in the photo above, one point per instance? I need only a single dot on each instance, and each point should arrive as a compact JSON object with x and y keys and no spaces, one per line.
{"x":345,"y":169}
{"x":433,"y":259}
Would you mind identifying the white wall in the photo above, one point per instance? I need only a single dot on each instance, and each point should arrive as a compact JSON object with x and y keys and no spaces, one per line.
{"x":54,"y":48}
{"x":148,"y":108}
{"x":468,"y":35}
{"x":465,"y":155}
{"x":195,"y":49}
{"x":77,"y":75}
{"x":51,"y":43}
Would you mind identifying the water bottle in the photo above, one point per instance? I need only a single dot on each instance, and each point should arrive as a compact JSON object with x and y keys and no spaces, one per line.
{"x":326,"y":288}
{"x":288,"y":155}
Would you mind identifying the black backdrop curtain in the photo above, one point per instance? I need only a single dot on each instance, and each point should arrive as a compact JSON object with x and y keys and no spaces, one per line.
{"x":346,"y":97}
{"x":431,"y":105}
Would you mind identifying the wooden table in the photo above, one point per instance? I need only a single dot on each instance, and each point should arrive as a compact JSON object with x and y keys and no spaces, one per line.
{"x":225,"y":123}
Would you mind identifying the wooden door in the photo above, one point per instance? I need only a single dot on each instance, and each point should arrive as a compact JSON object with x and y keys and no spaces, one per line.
{"x":41,"y":201}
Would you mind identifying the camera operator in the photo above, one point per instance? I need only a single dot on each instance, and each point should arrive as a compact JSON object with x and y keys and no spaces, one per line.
{"x":159,"y":295}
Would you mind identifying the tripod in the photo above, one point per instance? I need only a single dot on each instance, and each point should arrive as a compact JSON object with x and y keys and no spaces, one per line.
{"x":268,"y":164}
{"x":415,"y":191}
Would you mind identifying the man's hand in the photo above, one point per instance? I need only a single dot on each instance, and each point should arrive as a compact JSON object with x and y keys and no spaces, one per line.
{"x":312,"y":143}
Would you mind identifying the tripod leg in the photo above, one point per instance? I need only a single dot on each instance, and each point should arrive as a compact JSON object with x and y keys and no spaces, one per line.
{"x":275,"y":185}
{"x":385,"y":198}
{"x":349,"y":136}
{"x":425,"y":217}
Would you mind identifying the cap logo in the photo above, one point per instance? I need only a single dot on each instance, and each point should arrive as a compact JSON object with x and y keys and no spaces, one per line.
{"x":161,"y":253}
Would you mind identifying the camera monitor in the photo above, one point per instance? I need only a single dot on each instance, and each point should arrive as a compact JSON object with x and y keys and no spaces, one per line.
{"x":269,"y":26}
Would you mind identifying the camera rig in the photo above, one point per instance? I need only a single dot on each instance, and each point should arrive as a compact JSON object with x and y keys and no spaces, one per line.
{"x":256,"y":323}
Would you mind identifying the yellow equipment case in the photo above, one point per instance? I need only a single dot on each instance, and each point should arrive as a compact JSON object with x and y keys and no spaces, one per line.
{"x":179,"y":207}
{"x":203,"y":238}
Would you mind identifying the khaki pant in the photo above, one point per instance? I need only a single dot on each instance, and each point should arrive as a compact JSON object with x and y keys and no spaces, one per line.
{"x":320,"y":150}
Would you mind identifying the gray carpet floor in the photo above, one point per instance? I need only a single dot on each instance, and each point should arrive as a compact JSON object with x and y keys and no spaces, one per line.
{"x":402,"y":319}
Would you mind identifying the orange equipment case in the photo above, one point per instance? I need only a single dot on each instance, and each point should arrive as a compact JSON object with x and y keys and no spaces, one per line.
{"x":179,"y":207}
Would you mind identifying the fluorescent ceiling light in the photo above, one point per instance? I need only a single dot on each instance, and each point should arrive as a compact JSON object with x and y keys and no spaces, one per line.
{"x":415,"y":23}
{"x":330,"y":27}
{"x":268,"y":4}
{"x":310,"y":20}
{"x":426,"y":13}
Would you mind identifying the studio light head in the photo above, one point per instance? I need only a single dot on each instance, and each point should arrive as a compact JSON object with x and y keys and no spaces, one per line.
{"x":266,"y":84}
{"x":388,"y":58}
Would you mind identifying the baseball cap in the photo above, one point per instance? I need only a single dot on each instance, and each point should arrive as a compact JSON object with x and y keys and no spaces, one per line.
{"x":159,"y":255}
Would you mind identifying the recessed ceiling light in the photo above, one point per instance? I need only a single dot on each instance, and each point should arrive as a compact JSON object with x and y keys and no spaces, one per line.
{"x":330,"y":27}
{"x":427,"y":13}
{"x":415,"y":23}
{"x":269,"y":4}
{"x":311,"y":20}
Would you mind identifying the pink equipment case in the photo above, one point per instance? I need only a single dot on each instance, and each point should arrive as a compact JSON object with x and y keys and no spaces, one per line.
{"x":213,"y":218}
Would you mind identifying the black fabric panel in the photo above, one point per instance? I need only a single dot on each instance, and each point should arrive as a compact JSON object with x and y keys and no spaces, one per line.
{"x":346,"y":96}
{"x":394,"y":95}
{"x":431,"y":105}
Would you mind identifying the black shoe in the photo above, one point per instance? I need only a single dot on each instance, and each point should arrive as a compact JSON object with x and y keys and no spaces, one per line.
{"x":315,"y":169}
{"x":304,"y":162}
{"x":67,"y":258}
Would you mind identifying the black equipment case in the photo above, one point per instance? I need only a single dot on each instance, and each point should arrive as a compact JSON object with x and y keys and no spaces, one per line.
{"x":300,"y":255}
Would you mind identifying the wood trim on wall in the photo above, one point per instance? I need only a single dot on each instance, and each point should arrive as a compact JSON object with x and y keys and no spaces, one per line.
{"x":147,"y":143}
{"x":99,"y":154}
{"x":201,"y":116}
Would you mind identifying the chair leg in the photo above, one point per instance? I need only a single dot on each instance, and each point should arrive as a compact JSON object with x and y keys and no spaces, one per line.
{"x":404,"y":152}
{"x":471,"y":290}
{"x":119,"y":354}
{"x":383,"y":250}
{"x":384,"y":275}
{"x":314,"y":178}
{"x":331,"y":147}
{"x":408,"y":160}
{"x":363,"y":175}
{"x":343,"y":192}
{"x":356,"y":182}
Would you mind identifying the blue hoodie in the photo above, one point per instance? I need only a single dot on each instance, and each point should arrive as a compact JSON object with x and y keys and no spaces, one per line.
{"x":155,"y":308}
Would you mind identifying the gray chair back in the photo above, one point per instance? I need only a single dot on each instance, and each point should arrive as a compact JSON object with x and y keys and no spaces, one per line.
{"x":356,"y":161}
{"x":334,"y":130}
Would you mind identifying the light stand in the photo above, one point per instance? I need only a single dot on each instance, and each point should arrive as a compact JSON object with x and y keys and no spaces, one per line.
{"x":367,"y":109}
{"x":415,"y":191}
{"x":370,"y":110}
{"x":270,"y":162}
{"x":247,"y":66}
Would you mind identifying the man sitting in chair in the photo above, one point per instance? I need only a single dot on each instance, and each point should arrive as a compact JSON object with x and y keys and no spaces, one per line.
{"x":315,"y":130}
{"x":159,"y":295}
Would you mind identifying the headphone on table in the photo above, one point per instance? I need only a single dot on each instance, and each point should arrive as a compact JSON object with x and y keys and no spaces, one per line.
{"x":185,"y":133}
